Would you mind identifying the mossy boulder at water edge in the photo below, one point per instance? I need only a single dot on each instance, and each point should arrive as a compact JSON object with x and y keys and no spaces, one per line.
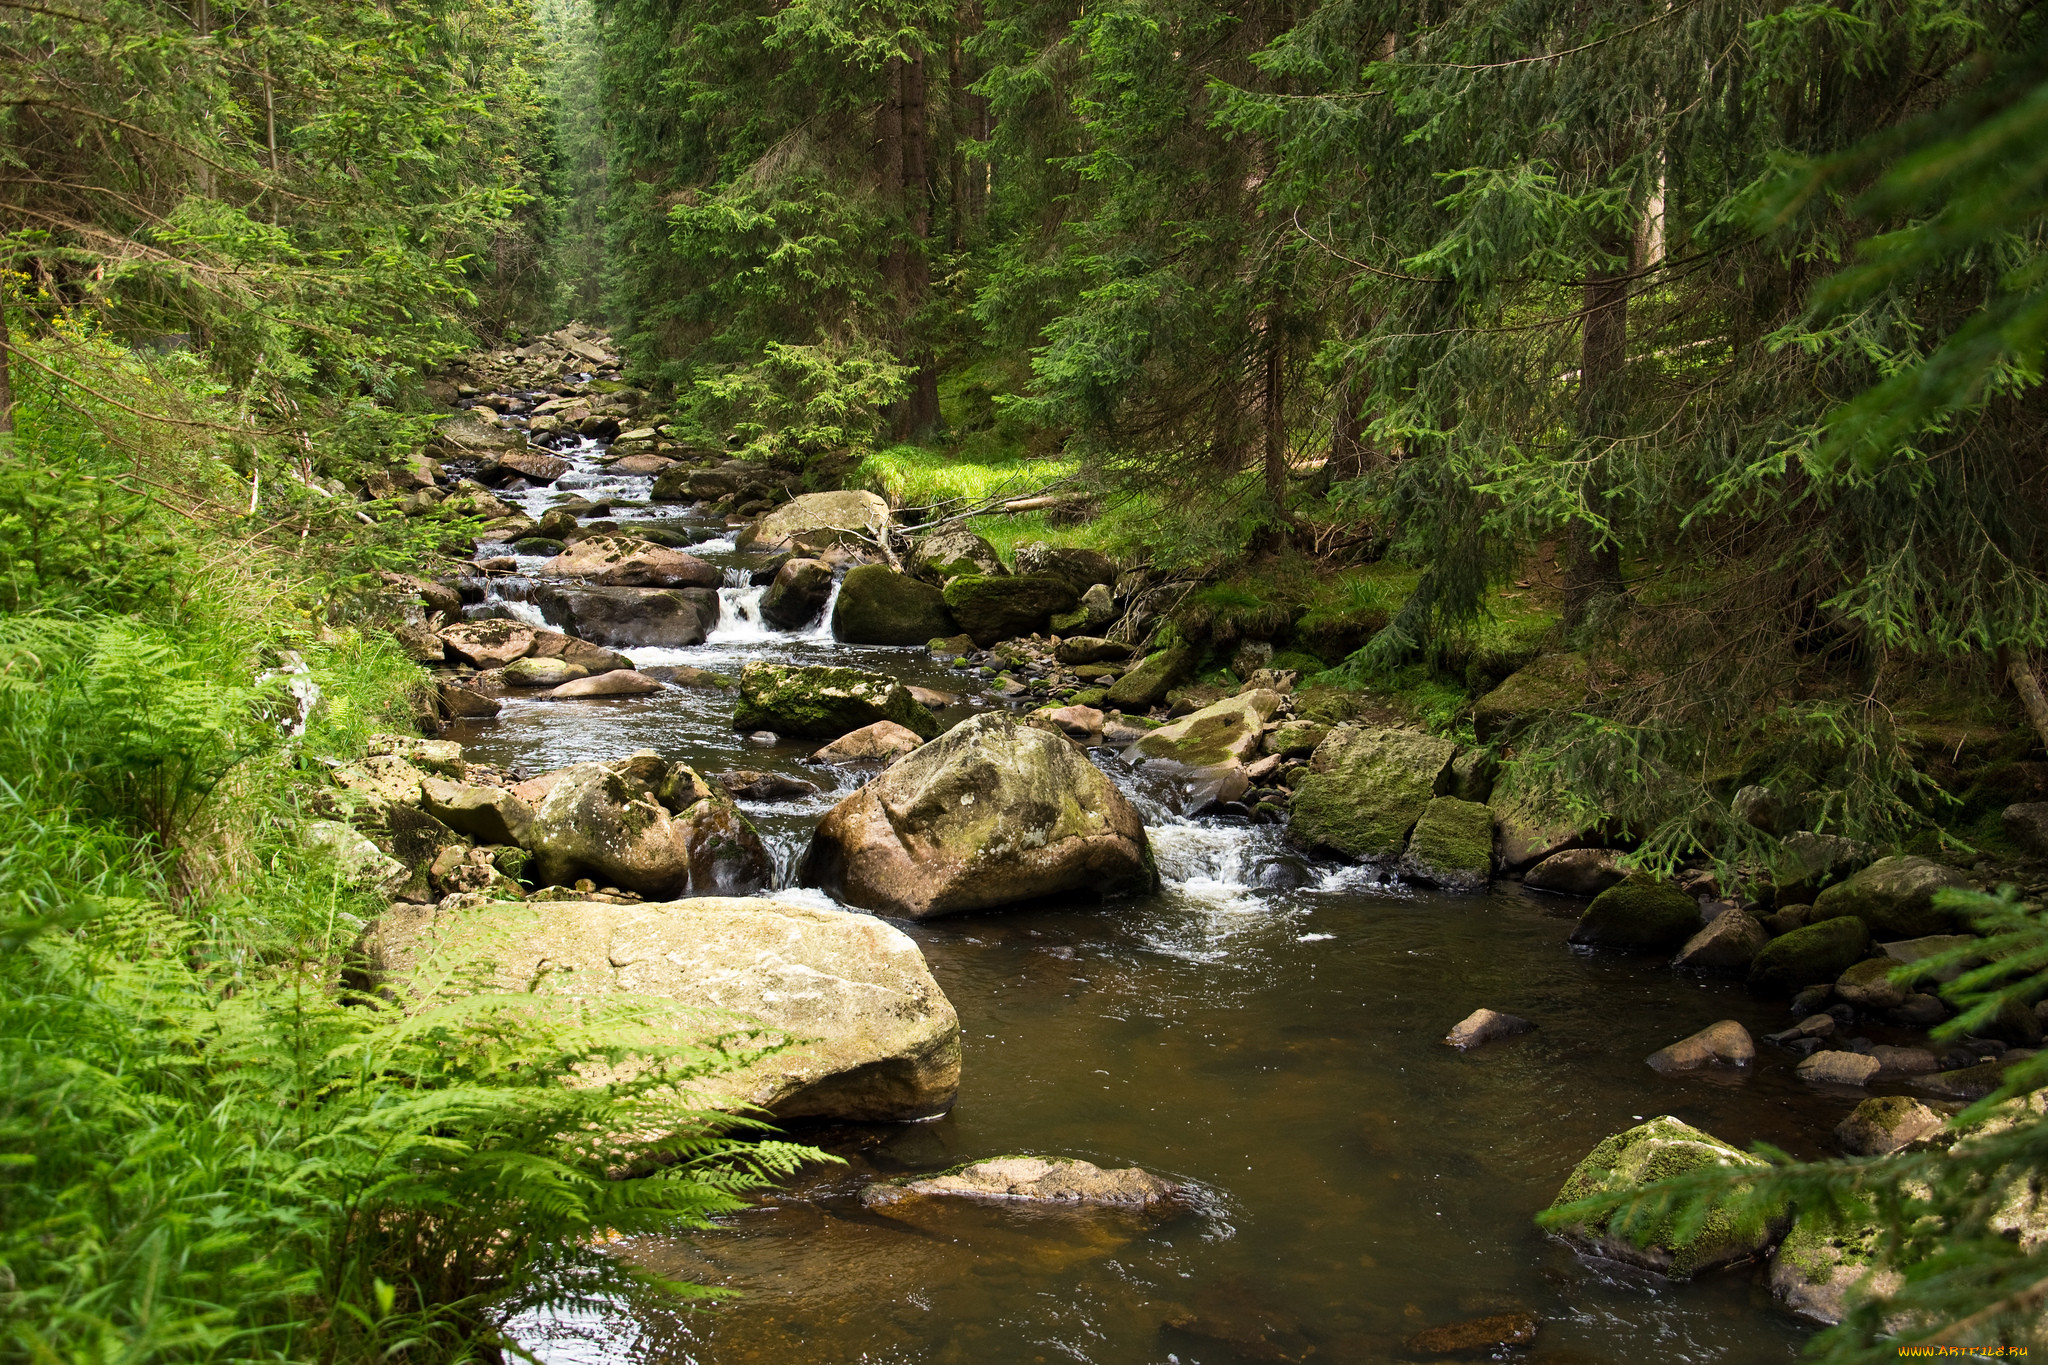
{"x":1452,"y":846}
{"x":1639,"y":914}
{"x":994,"y":609}
{"x":1366,"y":788}
{"x":878,"y":606}
{"x":824,"y":703}
{"x":1827,"y":1262}
{"x":1813,"y":956}
{"x":1146,"y":685}
{"x":1894,"y":897}
{"x":952,"y":552}
{"x":1554,"y":683}
{"x":1223,"y":734}
{"x":1649,"y":1152}
{"x":647,"y":826}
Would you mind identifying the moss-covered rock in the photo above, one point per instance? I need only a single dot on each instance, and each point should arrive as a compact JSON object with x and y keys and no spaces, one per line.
{"x":1894,"y":897}
{"x":824,"y":703}
{"x":1827,"y":1261}
{"x":1812,"y":956}
{"x":952,"y":552}
{"x":1223,"y":734}
{"x":878,"y":606}
{"x":1649,"y":1152}
{"x":1555,"y":682}
{"x":649,"y":826}
{"x":1805,"y":862}
{"x":1097,"y":609}
{"x":1078,"y":568}
{"x":1366,"y":788}
{"x":1296,"y":738}
{"x":1452,"y":846}
{"x":816,"y":521}
{"x":1640,"y":914}
{"x":992,"y":609}
{"x":1147,"y":685}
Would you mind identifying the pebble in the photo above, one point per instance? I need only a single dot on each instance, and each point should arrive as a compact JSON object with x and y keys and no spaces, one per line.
{"x":764,"y":738}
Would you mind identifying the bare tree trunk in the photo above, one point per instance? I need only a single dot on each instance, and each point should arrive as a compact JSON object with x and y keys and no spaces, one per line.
{"x":956,"y":161}
{"x":1594,"y":569}
{"x":1273,"y":404}
{"x":2028,"y":686}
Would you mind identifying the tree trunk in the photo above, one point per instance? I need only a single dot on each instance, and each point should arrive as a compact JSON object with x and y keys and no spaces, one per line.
{"x":889,"y":174}
{"x":956,"y":160}
{"x":921,"y":408}
{"x":1594,"y":568}
{"x":1273,"y":403}
{"x":2029,"y":687}
{"x":6,"y":374}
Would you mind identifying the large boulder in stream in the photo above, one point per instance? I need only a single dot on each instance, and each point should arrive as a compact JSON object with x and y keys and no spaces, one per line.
{"x":1366,"y":788}
{"x":1146,"y":685}
{"x":992,"y":609}
{"x":1224,"y":734}
{"x":1894,"y":897}
{"x":796,"y":593}
{"x":1079,"y":569}
{"x":818,"y":521}
{"x":649,"y":826}
{"x":991,"y":813}
{"x":1640,"y":914}
{"x":1452,"y":846}
{"x":824,"y":703}
{"x":631,"y":618}
{"x":867,"y":1036}
{"x":1652,"y":1151}
{"x":628,"y":562}
{"x":878,"y":606}
{"x":1811,"y":956}
{"x":954,"y":551}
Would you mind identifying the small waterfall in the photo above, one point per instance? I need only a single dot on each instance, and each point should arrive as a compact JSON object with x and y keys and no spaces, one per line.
{"x":822,"y":630}
{"x":739,"y":617}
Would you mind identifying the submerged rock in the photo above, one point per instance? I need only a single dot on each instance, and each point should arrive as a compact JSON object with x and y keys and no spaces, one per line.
{"x":1483,"y":1026}
{"x":745,"y":784}
{"x":1366,"y":788}
{"x":878,"y":606}
{"x":1724,"y":1044}
{"x":1838,"y":1068}
{"x":1894,"y":897}
{"x":824,"y":703}
{"x":1476,"y":1334}
{"x":1653,"y":1151}
{"x":649,"y":826}
{"x":991,"y":813}
{"x":869,"y":1035}
{"x":1452,"y":846}
{"x":1641,"y":914}
{"x":1030,"y":1179}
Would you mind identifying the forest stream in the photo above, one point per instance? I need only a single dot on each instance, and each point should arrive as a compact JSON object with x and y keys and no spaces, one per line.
{"x":1268,"y":1027}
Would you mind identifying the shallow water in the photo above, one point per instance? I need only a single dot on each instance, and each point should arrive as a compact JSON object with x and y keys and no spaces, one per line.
{"x":1267,"y":1028}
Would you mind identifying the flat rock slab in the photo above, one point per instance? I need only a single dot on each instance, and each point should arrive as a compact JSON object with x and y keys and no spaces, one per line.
{"x":1476,"y":1334}
{"x":1838,"y":1068}
{"x":871,"y":1037}
{"x":1724,"y":1044}
{"x":1031,"y":1179}
{"x":620,"y":682}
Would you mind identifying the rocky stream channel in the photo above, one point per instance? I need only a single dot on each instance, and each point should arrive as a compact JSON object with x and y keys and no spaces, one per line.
{"x":1262,"y":1030}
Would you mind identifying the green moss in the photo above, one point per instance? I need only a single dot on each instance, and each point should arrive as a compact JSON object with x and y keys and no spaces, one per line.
{"x":1640,"y":1156}
{"x":824,"y":703}
{"x":1553,"y":683}
{"x":1304,"y":664}
{"x":1812,"y":956}
{"x":1641,"y":913}
{"x":1368,"y":790}
{"x":1452,"y":845}
{"x":1147,"y":684}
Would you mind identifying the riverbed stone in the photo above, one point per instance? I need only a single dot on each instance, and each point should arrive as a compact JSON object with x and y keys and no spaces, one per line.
{"x":489,"y":643}
{"x":1727,"y":943}
{"x":1814,"y":955}
{"x":631,"y":618}
{"x":591,"y":658}
{"x":878,"y":606}
{"x":1082,"y":724}
{"x":491,"y":815}
{"x":1868,"y":984}
{"x":2026,"y":824}
{"x":1883,"y":1124}
{"x":952,"y":552}
{"x":1090,"y":649}
{"x":1366,"y":788}
{"x":1576,"y":872}
{"x":1934,"y":945}
{"x":441,"y":757}
{"x":812,"y":522}
{"x":991,"y":813}
{"x":1451,"y":846}
{"x":1485,"y":1336}
{"x":649,"y":826}
{"x":885,"y":741}
{"x":1894,"y":897}
{"x":1638,"y":914}
{"x":1031,"y":1180}
{"x":1080,"y":569}
{"x":797,"y":593}
{"x":531,"y":672}
{"x":379,"y":781}
{"x":1096,"y":609}
{"x":358,"y":862}
{"x":629,"y":562}
{"x":994,"y":609}
{"x":459,"y":702}
{"x":1223,"y":734}
{"x":1805,"y":862}
{"x":1652,"y":1151}
{"x":1296,"y":738}
{"x":1483,"y":1026}
{"x":1146,"y":685}
{"x":868,"y":1035}
{"x":1553,"y":683}
{"x":1827,"y":1262}
{"x":824,"y":702}
{"x":748,"y":784}
{"x":620,"y":682}
{"x":1726,"y":1043}
{"x":1838,"y":1068}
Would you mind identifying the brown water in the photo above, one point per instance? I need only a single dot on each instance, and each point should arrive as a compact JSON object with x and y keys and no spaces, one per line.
{"x":1266,"y":1028}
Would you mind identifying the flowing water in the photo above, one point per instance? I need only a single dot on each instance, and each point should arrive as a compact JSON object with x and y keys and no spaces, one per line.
{"x":1267,"y":1028}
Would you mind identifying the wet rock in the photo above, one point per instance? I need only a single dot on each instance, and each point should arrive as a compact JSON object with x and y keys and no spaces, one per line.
{"x":1805,"y":862}
{"x":1146,"y":685}
{"x":1825,"y":1260}
{"x":797,"y":593}
{"x":632,"y":618}
{"x":462,"y":702}
{"x":1366,"y":788}
{"x":1639,"y":914}
{"x":1810,"y":1026}
{"x":1081,"y":723}
{"x":953,"y":552}
{"x":1728,"y":943}
{"x":1245,"y":1324}
{"x":878,"y":606}
{"x":1921,"y":1010}
{"x":1657,"y":1150}
{"x":817,"y":521}
{"x":1090,"y":649}
{"x":1724,"y":1044}
{"x":1476,"y":1335}
{"x":490,"y":814}
{"x":627,"y":562}
{"x":931,"y":698}
{"x":1884,"y":1124}
{"x":1576,"y":872}
{"x":358,"y":862}
{"x":488,"y":643}
{"x":1555,"y":682}
{"x":1096,"y":609}
{"x":1222,"y":735}
{"x":1484,"y":1026}
{"x":990,"y":813}
{"x":1904,"y":1061}
{"x":649,"y":826}
{"x":1472,"y":774}
{"x":746,"y":784}
{"x":1837,"y":1068}
{"x":441,"y":757}
{"x":1869,"y":985}
{"x":950,"y":647}
{"x":1816,"y":954}
{"x":1759,"y":808}
{"x":1934,"y":945}
{"x":535,"y":466}
{"x":620,"y":682}
{"x":1894,"y":897}
{"x":871,"y":1037}
{"x":824,"y":703}
{"x":1295,"y":738}
{"x":885,"y":741}
{"x":993,"y":609}
{"x":1451,"y":846}
{"x":1031,"y":1180}
{"x":530,"y":672}
{"x":2026,"y":824}
{"x":683,"y":675}
{"x":1969,"y":1084}
{"x":1079,"y":569}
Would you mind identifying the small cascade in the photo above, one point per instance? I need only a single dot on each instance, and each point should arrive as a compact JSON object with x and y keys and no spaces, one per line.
{"x":739,"y":617}
{"x":821,"y":629}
